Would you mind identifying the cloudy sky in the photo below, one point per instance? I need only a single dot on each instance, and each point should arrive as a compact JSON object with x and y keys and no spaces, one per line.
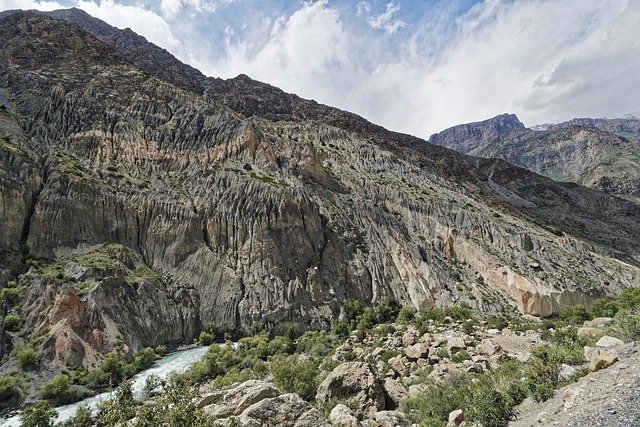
{"x":413,"y":66}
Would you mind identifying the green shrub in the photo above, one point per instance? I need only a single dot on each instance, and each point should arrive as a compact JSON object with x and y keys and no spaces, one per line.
{"x":405,"y":315}
{"x":12,"y":323}
{"x":144,"y":358}
{"x":120,"y":408}
{"x":27,"y":356}
{"x":112,"y":366}
{"x":626,"y":325}
{"x":160,"y":350}
{"x":460,"y":356}
{"x":292,"y":375}
{"x":385,"y":311}
{"x":82,"y":418}
{"x":575,"y":314}
{"x":58,"y":389}
{"x":353,"y":309}
{"x":629,"y":298}
{"x":9,"y":388}
{"x":366,"y":319}
{"x":340,"y":328}
{"x":603,"y":307}
{"x":489,"y":407}
{"x":39,"y":415}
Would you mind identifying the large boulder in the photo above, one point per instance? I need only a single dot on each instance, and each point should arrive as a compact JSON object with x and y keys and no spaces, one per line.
{"x":354,"y":380}
{"x":286,"y":410}
{"x":234,"y":400}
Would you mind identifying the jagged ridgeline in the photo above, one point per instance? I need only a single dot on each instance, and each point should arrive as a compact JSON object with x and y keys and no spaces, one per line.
{"x":136,"y":208}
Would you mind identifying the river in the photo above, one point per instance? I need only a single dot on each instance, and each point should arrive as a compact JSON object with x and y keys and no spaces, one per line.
{"x":178,"y":361}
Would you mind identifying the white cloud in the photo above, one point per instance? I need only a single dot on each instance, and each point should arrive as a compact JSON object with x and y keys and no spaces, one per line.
{"x":29,"y":4}
{"x":143,"y":21}
{"x":387,"y":20}
{"x":171,"y":8}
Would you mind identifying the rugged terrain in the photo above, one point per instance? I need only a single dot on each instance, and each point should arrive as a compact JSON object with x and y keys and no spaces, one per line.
{"x":137,"y":208}
{"x":592,"y":153}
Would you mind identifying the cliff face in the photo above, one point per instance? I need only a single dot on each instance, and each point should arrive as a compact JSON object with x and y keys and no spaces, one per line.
{"x":273,"y":212}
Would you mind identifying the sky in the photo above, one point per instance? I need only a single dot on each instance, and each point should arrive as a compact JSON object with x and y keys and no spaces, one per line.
{"x":416,"y":66}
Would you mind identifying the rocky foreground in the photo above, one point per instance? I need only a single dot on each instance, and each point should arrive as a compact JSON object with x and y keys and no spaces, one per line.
{"x":371,"y":390}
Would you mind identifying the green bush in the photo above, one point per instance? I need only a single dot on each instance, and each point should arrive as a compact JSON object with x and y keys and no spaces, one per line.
{"x":341,"y":329}
{"x":405,"y":315}
{"x":626,"y":325}
{"x":27,"y":356}
{"x":205,"y":338}
{"x":120,"y":408}
{"x":629,"y":298}
{"x":292,"y":375}
{"x":112,"y":366}
{"x":12,"y":323}
{"x":576,"y":314}
{"x":9,"y":388}
{"x":353,"y":309}
{"x":58,"y":389}
{"x":603,"y":307}
{"x":39,"y":415}
{"x":144,"y":358}
{"x":366,"y":320}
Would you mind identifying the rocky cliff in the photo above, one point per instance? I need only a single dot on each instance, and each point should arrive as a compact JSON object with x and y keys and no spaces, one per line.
{"x":244,"y":205}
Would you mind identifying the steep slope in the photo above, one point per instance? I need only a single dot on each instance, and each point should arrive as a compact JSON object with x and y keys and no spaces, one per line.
{"x":587,"y":156}
{"x":272,"y":215}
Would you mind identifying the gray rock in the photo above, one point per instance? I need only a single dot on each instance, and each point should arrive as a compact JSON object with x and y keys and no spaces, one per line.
{"x":344,"y":416}
{"x":353,"y":380}
{"x":608,"y":341}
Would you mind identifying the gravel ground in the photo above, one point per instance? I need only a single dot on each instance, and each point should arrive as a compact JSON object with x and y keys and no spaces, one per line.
{"x":607,"y":398}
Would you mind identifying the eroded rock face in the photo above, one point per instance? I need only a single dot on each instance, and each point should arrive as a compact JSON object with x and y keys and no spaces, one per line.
{"x":354,"y":380}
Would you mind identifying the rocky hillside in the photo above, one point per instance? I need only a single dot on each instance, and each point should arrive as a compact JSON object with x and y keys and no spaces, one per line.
{"x":470,"y":137}
{"x":627,"y":127}
{"x":584,"y":155}
{"x":589,"y":152}
{"x":136,"y":209}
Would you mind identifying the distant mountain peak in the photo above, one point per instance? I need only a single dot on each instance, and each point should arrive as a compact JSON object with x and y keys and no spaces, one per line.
{"x":469,"y":137}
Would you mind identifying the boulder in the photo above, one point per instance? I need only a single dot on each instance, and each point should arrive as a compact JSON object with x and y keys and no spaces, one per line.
{"x":598,"y":322}
{"x":455,"y":418}
{"x":388,"y":418}
{"x":233,"y":401}
{"x":488,"y":348}
{"x":354,"y":380}
{"x":607,"y":341}
{"x":394,"y":392}
{"x":417,"y":351}
{"x":344,"y":416}
{"x":588,"y":332}
{"x":286,"y":410}
{"x":602,"y":359}
{"x":455,"y":344}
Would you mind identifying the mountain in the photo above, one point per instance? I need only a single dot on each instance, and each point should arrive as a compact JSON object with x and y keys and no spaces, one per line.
{"x":627,"y":127}
{"x":585,"y":155}
{"x":588,"y":152}
{"x":470,"y":137}
{"x":135,"y":209}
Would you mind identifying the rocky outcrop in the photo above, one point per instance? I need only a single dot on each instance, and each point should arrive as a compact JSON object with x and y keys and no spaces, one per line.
{"x":354,"y":380}
{"x":258,"y":403}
